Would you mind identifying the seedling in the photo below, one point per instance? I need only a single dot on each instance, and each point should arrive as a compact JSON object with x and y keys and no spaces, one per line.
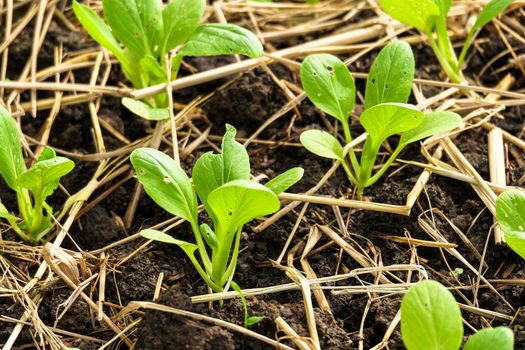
{"x":330,"y":86}
{"x":32,"y":186}
{"x":140,"y":34}
{"x":430,"y":17}
{"x":510,"y":213}
{"x":248,"y":321}
{"x":431,"y":319}
{"x":222,"y":183}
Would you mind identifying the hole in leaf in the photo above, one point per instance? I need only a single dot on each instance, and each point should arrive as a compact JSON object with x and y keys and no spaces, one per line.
{"x":142,"y":172}
{"x":373,"y":80}
{"x":167,"y":179}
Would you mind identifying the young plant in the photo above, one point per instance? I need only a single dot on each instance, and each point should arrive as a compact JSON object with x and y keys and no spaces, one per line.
{"x":510,"y":213}
{"x":331,"y":88}
{"x":32,"y":186}
{"x":431,"y":319}
{"x":430,"y":17}
{"x":222,"y":183}
{"x":251,"y":320}
{"x":140,"y":34}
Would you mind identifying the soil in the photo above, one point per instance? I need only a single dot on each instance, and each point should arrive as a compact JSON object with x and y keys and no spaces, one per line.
{"x":247,"y":104}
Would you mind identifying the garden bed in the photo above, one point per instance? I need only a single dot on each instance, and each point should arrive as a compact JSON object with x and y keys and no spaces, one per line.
{"x":446,"y":236}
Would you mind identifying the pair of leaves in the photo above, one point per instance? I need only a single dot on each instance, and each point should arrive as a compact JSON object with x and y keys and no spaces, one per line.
{"x":510,"y":213}
{"x":431,"y":319}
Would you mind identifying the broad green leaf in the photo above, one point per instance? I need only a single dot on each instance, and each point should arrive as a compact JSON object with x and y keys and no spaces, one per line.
{"x":177,"y":27}
{"x":166,"y":183}
{"x":189,"y":248}
{"x":238,"y":202}
{"x":209,"y":236}
{"x":285,"y":180}
{"x":420,"y":14}
{"x":126,"y":24}
{"x":217,"y":39}
{"x":43,"y":177}
{"x":390,"y":77}
{"x":510,"y":212}
{"x":143,"y":110}
{"x":4,"y":213}
{"x":329,"y":85}
{"x":430,"y":318}
{"x":322,"y":144}
{"x":444,"y":7}
{"x":152,"y":22}
{"x":499,"y":338}
{"x":98,"y":30}
{"x":434,"y":123}
{"x":489,"y":12}
{"x":11,"y":159}
{"x":214,"y":170}
{"x":388,"y":119}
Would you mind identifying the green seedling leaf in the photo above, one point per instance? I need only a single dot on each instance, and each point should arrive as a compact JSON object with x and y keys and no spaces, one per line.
{"x":177,"y":27}
{"x":388,"y":119}
{"x":98,"y":30}
{"x":390,"y":77}
{"x":189,"y":248}
{"x":510,"y":213}
{"x":126,"y":24}
{"x":43,"y":177}
{"x":217,"y":39}
{"x":329,"y":85}
{"x":248,"y":321}
{"x":238,"y":202}
{"x":286,"y":180}
{"x":253,"y":320}
{"x":420,"y":14}
{"x":493,"y":9}
{"x":322,"y":144}
{"x":499,"y":338}
{"x":214,"y":170}
{"x":47,"y":153}
{"x":209,"y":236}
{"x":165,"y":182}
{"x":434,"y":123}
{"x":4,"y":213}
{"x":152,"y":22}
{"x":11,"y":159}
{"x":430,"y":318}
{"x":143,"y":110}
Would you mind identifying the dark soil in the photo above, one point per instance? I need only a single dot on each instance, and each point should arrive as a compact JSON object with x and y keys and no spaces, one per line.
{"x":247,"y":104}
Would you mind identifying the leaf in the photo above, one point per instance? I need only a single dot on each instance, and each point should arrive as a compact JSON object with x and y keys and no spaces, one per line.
{"x":4,"y":213}
{"x":152,"y":22}
{"x":434,"y":123}
{"x":239,"y":202}
{"x":153,"y":68}
{"x":390,"y":77}
{"x":329,"y":85}
{"x":499,"y":338}
{"x":189,"y":248}
{"x":47,"y":153}
{"x":11,"y":159}
{"x":43,"y":177}
{"x":489,"y":12}
{"x":217,"y":39}
{"x":510,"y":213}
{"x":387,"y":119}
{"x":126,"y":24}
{"x":209,"y":236}
{"x":99,"y":31}
{"x":322,"y":144}
{"x":430,"y":318}
{"x":166,"y":183}
{"x":285,"y":180}
{"x":420,"y":14}
{"x":178,"y":28}
{"x":143,"y":110}
{"x":253,"y":320}
{"x":213,"y":170}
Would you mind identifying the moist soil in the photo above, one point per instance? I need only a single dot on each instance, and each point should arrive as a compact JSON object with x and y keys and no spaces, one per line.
{"x":247,"y":103}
